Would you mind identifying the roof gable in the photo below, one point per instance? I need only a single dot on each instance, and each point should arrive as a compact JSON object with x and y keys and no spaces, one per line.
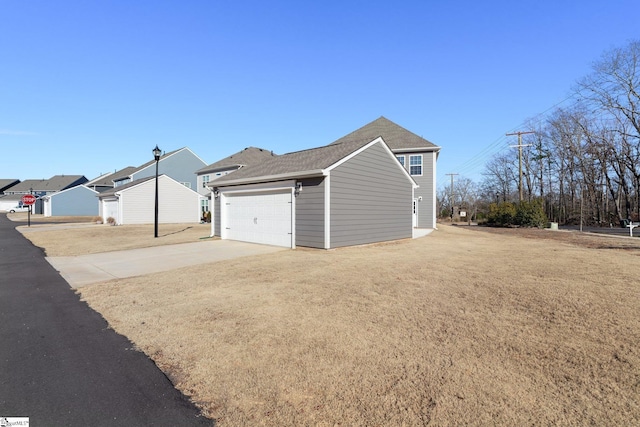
{"x":247,"y":157}
{"x":152,"y":162}
{"x":305,"y":162}
{"x":115,"y":190}
{"x":106,"y":180}
{"x":76,"y":188}
{"x":396,"y":137}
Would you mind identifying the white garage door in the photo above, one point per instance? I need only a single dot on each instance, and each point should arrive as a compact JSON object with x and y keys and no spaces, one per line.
{"x":111,"y":210}
{"x":259,"y":218}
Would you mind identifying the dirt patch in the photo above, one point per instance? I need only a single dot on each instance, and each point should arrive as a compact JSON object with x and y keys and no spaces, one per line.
{"x":462,"y":327}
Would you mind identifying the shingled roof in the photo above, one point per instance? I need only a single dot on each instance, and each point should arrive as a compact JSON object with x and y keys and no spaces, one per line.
{"x":311,"y":162}
{"x":396,"y":137}
{"x":107,"y":179}
{"x":247,"y":157}
{"x":299,"y":163}
{"x":55,"y":183}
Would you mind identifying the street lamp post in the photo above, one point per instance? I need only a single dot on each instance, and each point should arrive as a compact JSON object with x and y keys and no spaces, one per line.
{"x":156,"y":155}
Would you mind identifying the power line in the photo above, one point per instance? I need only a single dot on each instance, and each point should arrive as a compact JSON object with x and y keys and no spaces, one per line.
{"x":497,"y":145}
{"x":520,"y":133}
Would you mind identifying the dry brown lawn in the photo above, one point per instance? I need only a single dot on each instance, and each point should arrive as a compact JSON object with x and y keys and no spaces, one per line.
{"x":89,"y":238}
{"x":462,"y":327}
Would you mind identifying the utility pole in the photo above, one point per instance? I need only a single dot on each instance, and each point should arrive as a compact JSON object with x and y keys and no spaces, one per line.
{"x":452,"y":175}
{"x":520,"y":153}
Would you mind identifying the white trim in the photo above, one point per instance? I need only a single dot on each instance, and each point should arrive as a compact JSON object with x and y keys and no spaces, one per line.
{"x":268,"y":178}
{"x":293,"y":217}
{"x":433,"y":193}
{"x":416,"y":149}
{"x":265,"y":186}
{"x":280,"y":187}
{"x":361,"y":149}
{"x":327,"y":212}
{"x":404,"y":159}
{"x":71,"y":188}
{"x":352,"y":155}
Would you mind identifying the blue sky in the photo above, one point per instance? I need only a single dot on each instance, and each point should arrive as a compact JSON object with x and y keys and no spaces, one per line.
{"x":88,"y":87}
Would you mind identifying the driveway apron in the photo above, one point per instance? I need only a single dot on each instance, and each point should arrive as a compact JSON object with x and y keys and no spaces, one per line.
{"x":60,"y":363}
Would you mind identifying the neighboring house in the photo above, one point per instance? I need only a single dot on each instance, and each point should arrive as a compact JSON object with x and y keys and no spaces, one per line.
{"x":417,"y":155}
{"x":247,"y":157}
{"x":75,"y":201}
{"x":134,"y":202}
{"x":5,"y":184}
{"x":8,"y":202}
{"x":181,"y":165}
{"x":44,"y":187}
{"x":106,"y":181}
{"x":347,"y":193}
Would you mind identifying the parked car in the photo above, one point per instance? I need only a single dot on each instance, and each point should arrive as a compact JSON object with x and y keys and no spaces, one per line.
{"x":19,"y":208}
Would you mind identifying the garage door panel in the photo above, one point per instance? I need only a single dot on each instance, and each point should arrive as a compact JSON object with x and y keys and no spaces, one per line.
{"x":259,"y":218}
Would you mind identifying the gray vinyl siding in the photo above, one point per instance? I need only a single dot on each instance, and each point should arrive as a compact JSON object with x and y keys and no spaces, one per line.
{"x":216,"y":216}
{"x":79,"y":201}
{"x":371,"y":200}
{"x":310,"y":214}
{"x":426,"y":214}
{"x":426,"y":191}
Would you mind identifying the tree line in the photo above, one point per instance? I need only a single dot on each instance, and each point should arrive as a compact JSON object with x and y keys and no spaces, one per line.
{"x":582,"y":161}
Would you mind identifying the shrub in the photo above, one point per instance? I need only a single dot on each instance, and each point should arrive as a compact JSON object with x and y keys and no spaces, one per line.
{"x":111,"y":221}
{"x":502,"y":214}
{"x":208,"y":216}
{"x":525,"y":214}
{"x":97,"y":219}
{"x":531,"y":214}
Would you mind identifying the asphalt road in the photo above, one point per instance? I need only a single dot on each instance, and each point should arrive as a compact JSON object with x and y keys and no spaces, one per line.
{"x":60,"y":364}
{"x":612,"y":231}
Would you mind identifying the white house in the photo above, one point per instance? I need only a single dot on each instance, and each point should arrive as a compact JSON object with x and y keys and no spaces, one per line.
{"x":134,"y":203}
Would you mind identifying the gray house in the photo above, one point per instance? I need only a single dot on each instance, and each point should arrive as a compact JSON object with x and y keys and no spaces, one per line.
{"x":247,"y":157}
{"x":75,"y":201}
{"x":348,"y":193}
{"x":417,"y":155}
{"x":181,"y":165}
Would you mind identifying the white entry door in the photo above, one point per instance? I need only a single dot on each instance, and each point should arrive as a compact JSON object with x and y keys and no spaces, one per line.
{"x":259,"y":218}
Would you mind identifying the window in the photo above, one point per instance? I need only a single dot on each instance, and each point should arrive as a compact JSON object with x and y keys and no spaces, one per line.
{"x":186,"y":184}
{"x":401,"y":160}
{"x":415,"y":164}
{"x":205,"y":179}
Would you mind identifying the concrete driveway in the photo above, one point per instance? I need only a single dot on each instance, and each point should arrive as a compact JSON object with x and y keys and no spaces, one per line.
{"x":85,"y":270}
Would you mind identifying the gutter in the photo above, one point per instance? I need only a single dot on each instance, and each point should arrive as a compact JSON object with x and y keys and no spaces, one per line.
{"x":267,"y":178}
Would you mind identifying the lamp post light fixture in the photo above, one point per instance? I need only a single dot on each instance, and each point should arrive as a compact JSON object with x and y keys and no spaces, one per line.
{"x":156,"y":155}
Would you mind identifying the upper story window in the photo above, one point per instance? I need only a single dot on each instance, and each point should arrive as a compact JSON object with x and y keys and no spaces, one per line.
{"x":186,"y":184}
{"x":415,"y":164}
{"x":400,"y":159}
{"x":205,"y":179}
